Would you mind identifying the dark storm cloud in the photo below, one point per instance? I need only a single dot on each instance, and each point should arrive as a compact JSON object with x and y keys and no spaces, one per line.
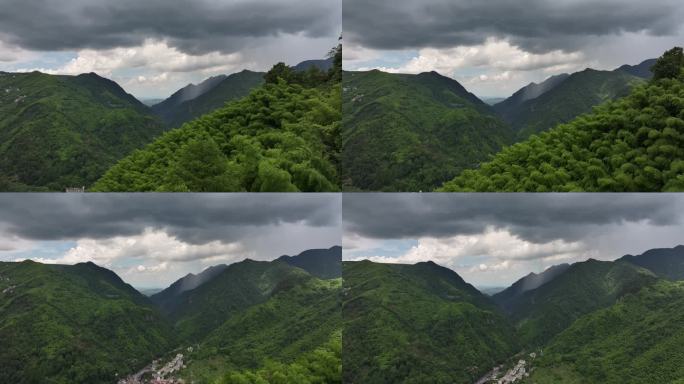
{"x":194,"y":26}
{"x":536,"y":25}
{"x":534,"y":217}
{"x":194,"y":218}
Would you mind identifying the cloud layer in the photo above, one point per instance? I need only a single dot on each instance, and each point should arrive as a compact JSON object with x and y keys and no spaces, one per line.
{"x":535,"y":25}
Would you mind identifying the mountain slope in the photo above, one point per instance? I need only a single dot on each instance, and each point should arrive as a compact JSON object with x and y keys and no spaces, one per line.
{"x":66,"y":131}
{"x":322,"y":263}
{"x":637,"y":340}
{"x":508,"y":107}
{"x":664,"y":262}
{"x":168,"y":299}
{"x":566,"y":99}
{"x":584,"y":287}
{"x":322,"y":64}
{"x":632,"y":144}
{"x":507,"y":299}
{"x":642,"y":70}
{"x":412,"y":132}
{"x":282,"y":137}
{"x":300,"y":316}
{"x":74,"y":324}
{"x":206,"y":97}
{"x":418,"y":323}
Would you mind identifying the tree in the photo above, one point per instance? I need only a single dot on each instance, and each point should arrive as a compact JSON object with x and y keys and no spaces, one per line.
{"x":669,"y":65}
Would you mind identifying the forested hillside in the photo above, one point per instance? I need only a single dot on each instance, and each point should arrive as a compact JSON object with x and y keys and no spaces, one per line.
{"x":633,"y":144}
{"x":417,"y":324}
{"x":74,"y":324}
{"x":284,"y":136}
{"x":413,"y":132}
{"x":66,"y":131}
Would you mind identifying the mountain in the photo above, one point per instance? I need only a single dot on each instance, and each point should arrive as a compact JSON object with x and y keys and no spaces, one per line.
{"x":582,"y":288}
{"x":167,"y":299}
{"x":642,"y":70}
{"x":508,"y":107}
{"x":636,"y":340}
{"x":324,"y":65}
{"x":667,"y":263}
{"x":632,"y":144}
{"x":74,"y":324}
{"x":282,"y":137}
{"x":66,"y":131}
{"x":562,"y":98}
{"x":194,"y":101}
{"x":417,"y":324}
{"x":322,"y":263}
{"x":507,"y":298}
{"x":405,"y":132}
{"x":300,"y":319}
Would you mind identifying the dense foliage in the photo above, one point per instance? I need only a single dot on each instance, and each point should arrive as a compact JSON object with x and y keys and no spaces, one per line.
{"x":66,"y":131}
{"x":412,"y":132}
{"x":567,"y":98}
{"x":235,"y":86}
{"x":282,"y":137}
{"x":74,"y":324}
{"x":636,"y":341}
{"x":418,"y":324}
{"x":632,"y":144}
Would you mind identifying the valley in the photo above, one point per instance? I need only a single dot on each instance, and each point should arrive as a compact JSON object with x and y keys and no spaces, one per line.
{"x":592,"y":321}
{"x":230,"y":322}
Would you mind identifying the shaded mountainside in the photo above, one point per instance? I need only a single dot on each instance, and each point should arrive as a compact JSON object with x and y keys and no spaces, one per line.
{"x":667,"y":263}
{"x":194,"y":101}
{"x":635,"y":341}
{"x":167,"y":299}
{"x":74,"y":324}
{"x":418,"y":323}
{"x":413,"y":132}
{"x":632,"y":144}
{"x":322,"y":64}
{"x":507,"y":298}
{"x":642,"y":70}
{"x":563,"y":98}
{"x":322,"y":263}
{"x":282,"y":137}
{"x":66,"y":131}
{"x":584,"y":287}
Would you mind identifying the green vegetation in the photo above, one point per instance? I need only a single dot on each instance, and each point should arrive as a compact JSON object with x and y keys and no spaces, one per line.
{"x":632,"y":144}
{"x":322,"y":263}
{"x":176,"y":110}
{"x":283,"y":137}
{"x":418,"y":324}
{"x":667,"y":263}
{"x":74,"y":324}
{"x":566,"y":99}
{"x":66,"y":131}
{"x":638,"y":340}
{"x":413,"y":132}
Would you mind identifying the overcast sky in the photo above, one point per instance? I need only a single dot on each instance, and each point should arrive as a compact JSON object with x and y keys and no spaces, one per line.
{"x":495,"y":239}
{"x":154,"y":47}
{"x":495,"y":47}
{"x":151,"y":240}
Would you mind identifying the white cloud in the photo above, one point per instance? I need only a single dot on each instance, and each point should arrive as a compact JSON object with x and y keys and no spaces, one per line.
{"x":151,"y":245}
{"x":11,"y":53}
{"x":152,"y":55}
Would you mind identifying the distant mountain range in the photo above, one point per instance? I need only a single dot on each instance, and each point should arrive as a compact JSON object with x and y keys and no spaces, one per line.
{"x":592,"y":321}
{"x":82,"y":323}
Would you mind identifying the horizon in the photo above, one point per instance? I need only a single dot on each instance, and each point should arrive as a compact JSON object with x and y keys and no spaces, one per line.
{"x":151,"y":57}
{"x":493,"y":49}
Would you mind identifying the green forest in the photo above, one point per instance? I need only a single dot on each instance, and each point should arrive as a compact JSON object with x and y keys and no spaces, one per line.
{"x":82,"y":324}
{"x":282,"y":137}
{"x":632,"y":144}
